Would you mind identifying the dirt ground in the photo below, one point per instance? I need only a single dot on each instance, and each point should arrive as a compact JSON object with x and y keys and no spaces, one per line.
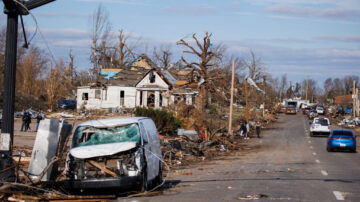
{"x":26,"y":139}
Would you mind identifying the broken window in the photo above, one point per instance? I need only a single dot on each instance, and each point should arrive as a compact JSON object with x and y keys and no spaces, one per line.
{"x":90,"y":135}
{"x":85,"y":96}
{"x":122,"y":98}
{"x":97,"y":94}
{"x":152,"y":77}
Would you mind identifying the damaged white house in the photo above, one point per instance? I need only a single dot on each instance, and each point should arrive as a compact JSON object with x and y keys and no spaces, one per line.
{"x":140,"y":84}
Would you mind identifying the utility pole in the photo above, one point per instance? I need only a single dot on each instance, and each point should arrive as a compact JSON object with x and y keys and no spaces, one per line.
{"x":354,"y":99}
{"x":232,"y":97}
{"x":12,"y":9}
{"x":246,"y":100}
{"x":264,"y":84}
{"x":306,"y":90}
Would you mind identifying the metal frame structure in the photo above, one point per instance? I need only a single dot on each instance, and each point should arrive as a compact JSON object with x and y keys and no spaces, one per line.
{"x":12,"y":8}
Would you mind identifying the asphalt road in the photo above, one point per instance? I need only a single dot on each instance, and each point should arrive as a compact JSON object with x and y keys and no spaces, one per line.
{"x":285,"y":164}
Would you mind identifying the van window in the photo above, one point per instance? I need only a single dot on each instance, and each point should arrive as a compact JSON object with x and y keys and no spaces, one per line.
{"x":89,"y":135}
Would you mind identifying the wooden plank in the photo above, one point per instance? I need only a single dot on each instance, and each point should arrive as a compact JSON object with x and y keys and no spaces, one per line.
{"x":103,"y":168}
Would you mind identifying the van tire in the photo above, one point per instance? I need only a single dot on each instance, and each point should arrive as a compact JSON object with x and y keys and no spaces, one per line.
{"x":144,"y":183}
{"x":159,"y":176}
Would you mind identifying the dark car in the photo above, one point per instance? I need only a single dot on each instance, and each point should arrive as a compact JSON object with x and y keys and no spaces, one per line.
{"x":67,"y":104}
{"x":341,"y":140}
{"x":340,"y":110}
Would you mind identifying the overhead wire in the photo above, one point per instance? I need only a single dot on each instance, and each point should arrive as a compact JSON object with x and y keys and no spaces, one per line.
{"x":37,"y":28}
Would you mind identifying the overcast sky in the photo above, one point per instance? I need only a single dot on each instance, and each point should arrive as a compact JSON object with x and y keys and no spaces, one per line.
{"x":302,"y":38}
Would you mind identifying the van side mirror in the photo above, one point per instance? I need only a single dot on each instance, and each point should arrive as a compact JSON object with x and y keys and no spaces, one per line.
{"x":310,"y":122}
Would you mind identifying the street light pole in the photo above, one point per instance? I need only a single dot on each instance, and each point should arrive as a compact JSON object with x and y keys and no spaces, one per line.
{"x":13,"y":9}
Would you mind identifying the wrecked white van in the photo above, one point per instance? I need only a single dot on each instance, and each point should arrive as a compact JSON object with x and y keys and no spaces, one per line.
{"x":114,"y":153}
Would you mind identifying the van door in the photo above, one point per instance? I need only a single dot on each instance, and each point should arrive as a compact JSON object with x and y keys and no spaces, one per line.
{"x":154,"y":146}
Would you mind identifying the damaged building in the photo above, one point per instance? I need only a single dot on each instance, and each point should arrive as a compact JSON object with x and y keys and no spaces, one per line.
{"x":141,"y":84}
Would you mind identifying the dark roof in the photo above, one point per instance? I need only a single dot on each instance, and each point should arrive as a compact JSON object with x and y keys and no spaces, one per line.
{"x":131,"y":75}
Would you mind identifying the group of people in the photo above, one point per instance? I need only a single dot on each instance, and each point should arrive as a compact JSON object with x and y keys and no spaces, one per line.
{"x":245,"y":128}
{"x":26,"y":121}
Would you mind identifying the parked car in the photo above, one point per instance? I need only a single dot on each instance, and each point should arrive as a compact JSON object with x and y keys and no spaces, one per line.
{"x":348,"y":110}
{"x":320,"y":126}
{"x":66,"y":104}
{"x":320,"y":110}
{"x":312,"y":114}
{"x":18,"y":114}
{"x":340,"y":110}
{"x":341,"y":140}
{"x":114,"y":153}
{"x":306,"y":110}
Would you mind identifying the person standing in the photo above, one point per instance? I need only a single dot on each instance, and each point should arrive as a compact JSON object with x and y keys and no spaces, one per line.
{"x":23,"y":119}
{"x":38,"y":119}
{"x":258,"y":129}
{"x":27,"y":121}
{"x":242,"y":129}
{"x":247,"y":130}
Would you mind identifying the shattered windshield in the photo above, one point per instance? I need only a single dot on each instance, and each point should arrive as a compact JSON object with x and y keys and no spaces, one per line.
{"x":89,"y":135}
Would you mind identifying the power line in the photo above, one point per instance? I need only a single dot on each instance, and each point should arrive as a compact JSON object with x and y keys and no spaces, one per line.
{"x":37,"y":28}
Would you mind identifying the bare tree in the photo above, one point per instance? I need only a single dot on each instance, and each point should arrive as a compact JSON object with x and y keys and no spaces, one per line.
{"x":208,"y":57}
{"x":282,"y":86}
{"x":30,"y":72}
{"x":100,"y":28}
{"x":162,"y":56}
{"x":55,"y":89}
{"x":312,"y":89}
{"x":255,"y":67}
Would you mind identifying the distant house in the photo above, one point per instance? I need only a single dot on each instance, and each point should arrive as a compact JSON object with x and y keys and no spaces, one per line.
{"x":344,"y":100}
{"x":140,"y":84}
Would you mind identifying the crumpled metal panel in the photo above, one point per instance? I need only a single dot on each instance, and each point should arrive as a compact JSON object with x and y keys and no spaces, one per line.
{"x":51,"y":135}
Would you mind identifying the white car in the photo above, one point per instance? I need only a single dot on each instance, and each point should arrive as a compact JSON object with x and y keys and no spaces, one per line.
{"x":320,"y":110}
{"x":320,"y":126}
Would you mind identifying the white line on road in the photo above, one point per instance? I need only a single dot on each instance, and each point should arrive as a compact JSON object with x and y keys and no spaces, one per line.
{"x":311,"y":147}
{"x":309,"y":141}
{"x":338,"y":196}
{"x":317,"y":161}
{"x":314,"y":153}
{"x":323,"y":172}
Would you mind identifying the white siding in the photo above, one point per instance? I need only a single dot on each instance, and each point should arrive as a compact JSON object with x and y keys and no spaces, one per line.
{"x":158,"y":81}
{"x":110,"y":98}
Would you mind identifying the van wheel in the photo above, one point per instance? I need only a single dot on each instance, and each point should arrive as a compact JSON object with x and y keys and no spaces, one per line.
{"x":144,"y":183}
{"x":159,"y":176}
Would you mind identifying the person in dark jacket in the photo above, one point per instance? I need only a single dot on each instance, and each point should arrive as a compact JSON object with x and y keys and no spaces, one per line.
{"x":38,"y":119}
{"x":27,"y":121}
{"x":243,"y":129}
{"x":23,"y":119}
{"x":258,"y":129}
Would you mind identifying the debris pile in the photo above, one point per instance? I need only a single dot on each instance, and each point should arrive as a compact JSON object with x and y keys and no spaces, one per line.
{"x":186,"y":149}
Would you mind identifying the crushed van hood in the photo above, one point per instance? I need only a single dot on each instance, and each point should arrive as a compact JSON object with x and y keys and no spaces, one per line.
{"x":92,"y":151}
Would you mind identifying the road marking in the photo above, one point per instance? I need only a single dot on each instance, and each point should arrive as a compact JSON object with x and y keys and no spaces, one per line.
{"x":317,"y":161}
{"x":309,"y":141}
{"x":338,"y":196}
{"x":311,"y":147}
{"x":314,"y":153}
{"x":323,"y":172}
